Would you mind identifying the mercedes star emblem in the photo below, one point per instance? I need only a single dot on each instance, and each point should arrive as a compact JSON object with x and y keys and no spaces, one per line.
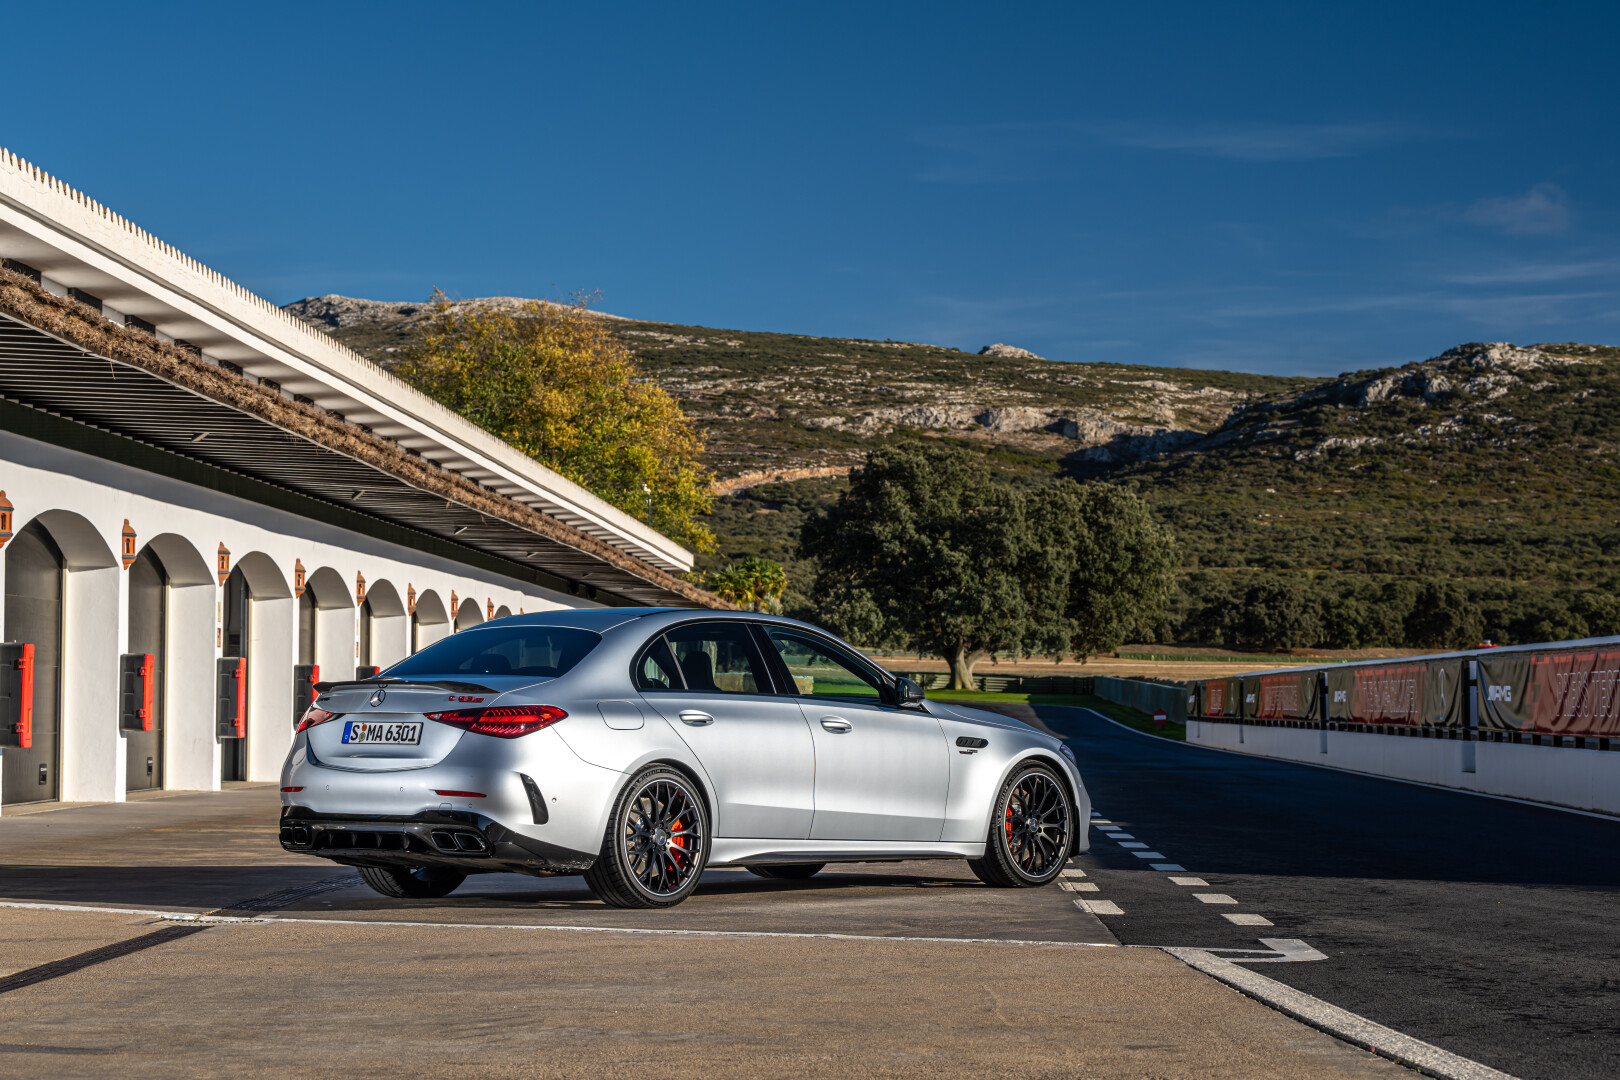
{"x":377,"y":698}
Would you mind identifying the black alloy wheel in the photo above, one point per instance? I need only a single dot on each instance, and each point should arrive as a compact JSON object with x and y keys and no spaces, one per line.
{"x":657,"y":843}
{"x":1030,"y":832}
{"x":788,"y":871}
{"x":416,"y":883}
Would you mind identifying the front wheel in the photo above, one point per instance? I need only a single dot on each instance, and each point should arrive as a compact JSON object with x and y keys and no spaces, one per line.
{"x":418,"y":883}
{"x":656,"y":845}
{"x":1030,"y":831}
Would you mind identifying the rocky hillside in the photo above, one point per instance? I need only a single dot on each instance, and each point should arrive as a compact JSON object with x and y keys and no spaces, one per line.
{"x":786,"y":402}
{"x":1490,"y":467}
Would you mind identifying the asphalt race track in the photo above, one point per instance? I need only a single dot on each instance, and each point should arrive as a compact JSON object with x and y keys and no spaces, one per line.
{"x":1487,"y":927}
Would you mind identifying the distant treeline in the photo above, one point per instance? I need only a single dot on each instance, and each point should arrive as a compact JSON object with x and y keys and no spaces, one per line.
{"x":1342,"y":611}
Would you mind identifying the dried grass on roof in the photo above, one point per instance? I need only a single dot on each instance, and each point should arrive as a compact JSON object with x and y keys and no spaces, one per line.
{"x":83,"y":326}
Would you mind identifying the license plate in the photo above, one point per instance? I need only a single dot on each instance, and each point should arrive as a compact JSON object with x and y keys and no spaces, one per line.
{"x":363,"y":731}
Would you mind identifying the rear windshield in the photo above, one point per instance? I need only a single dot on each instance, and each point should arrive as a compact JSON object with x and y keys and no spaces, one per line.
{"x":539,"y":651}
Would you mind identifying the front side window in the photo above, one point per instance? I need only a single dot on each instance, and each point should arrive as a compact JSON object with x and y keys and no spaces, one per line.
{"x":531,"y":651}
{"x":822,"y":670}
{"x":717,"y":658}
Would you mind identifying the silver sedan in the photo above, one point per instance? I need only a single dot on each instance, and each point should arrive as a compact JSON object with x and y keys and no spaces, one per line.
{"x":638,"y":746}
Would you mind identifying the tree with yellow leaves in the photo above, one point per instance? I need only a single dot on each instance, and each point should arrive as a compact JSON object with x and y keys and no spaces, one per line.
{"x":552,"y":381}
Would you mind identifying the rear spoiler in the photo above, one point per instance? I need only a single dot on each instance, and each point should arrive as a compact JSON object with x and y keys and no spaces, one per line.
{"x":437,"y":684}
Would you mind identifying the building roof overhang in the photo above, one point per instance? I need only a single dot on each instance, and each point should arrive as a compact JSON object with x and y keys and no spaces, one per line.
{"x":79,"y":244}
{"x":247,"y":388}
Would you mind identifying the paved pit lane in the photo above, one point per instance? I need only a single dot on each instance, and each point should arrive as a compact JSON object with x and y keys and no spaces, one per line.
{"x":1485,"y":927}
{"x":894,"y":970}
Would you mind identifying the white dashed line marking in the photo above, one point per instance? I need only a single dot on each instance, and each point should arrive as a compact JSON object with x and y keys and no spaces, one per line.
{"x":1132,"y":844}
{"x":1213,"y":898}
{"x":1072,"y":873}
{"x":1099,"y":907}
{"x":1247,"y":920}
{"x":1169,"y":867}
{"x":1189,"y":881}
{"x":1077,"y":886}
{"x":1148,"y":854}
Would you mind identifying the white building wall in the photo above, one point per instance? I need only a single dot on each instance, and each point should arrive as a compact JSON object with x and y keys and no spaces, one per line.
{"x":39,"y":478}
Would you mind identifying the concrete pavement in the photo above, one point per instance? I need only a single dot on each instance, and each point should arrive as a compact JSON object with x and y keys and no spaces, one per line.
{"x":338,"y":979}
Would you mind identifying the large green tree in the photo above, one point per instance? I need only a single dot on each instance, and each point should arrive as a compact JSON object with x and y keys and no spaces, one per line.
{"x":1123,"y":564}
{"x":552,"y":381}
{"x":929,"y":550}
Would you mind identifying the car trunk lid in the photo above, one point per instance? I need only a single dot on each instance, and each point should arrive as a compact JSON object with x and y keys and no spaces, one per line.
{"x":381,"y":724}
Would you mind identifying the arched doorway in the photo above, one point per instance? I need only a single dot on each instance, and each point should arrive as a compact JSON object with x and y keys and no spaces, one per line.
{"x":148,"y":633}
{"x":35,"y":572}
{"x":468,"y":615}
{"x":429,"y":622}
{"x":236,"y":621}
{"x":184,"y":702}
{"x":384,"y":628}
{"x":503,"y":612}
{"x":326,"y":625}
{"x":256,"y":616}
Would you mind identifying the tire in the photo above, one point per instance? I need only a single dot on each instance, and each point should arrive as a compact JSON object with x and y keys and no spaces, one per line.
{"x":419,"y":883}
{"x":656,"y":844}
{"x":788,"y":871}
{"x":1031,"y":831}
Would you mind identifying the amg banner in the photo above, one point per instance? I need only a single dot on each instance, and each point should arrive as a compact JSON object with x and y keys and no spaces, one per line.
{"x":1279,"y":697}
{"x":1566,"y":693}
{"x":1388,"y":695}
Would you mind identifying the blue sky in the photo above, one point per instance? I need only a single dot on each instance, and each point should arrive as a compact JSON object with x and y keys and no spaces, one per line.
{"x":1294,"y":188}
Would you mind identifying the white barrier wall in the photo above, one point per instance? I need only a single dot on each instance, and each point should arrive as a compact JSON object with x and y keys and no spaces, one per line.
{"x":1580,"y":779}
{"x":86,"y":502}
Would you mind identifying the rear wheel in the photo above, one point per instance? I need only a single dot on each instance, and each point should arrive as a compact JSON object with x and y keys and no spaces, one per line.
{"x":1031,"y":831}
{"x":788,"y":871}
{"x":656,"y":845}
{"x":417,"y":883}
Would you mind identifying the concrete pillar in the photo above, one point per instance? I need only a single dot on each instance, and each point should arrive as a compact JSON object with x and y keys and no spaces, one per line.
{"x":190,"y":746}
{"x":91,"y":747}
{"x":271,"y":650}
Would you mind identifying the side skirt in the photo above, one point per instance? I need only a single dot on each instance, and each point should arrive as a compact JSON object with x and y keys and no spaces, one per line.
{"x":728,"y":851}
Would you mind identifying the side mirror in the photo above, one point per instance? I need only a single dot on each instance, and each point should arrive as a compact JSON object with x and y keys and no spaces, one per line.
{"x":908,"y":692}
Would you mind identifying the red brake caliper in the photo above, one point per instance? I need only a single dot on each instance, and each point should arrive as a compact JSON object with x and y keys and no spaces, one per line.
{"x":677,"y":842}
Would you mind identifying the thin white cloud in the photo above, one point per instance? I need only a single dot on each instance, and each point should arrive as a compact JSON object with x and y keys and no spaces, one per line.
{"x":1532,"y":273}
{"x":1014,"y":152}
{"x":1542,"y":209}
{"x":1261,"y":142}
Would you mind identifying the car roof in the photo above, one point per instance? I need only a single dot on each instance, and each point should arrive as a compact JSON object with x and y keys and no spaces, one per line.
{"x":598,"y":619}
{"x":602,"y":620}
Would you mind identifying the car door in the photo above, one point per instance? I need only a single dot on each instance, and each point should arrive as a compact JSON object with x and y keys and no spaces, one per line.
{"x":882,"y":772}
{"x":709,"y":679}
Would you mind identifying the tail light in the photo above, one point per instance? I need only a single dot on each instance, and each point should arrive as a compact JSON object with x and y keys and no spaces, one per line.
{"x":501,"y":721}
{"x":313,"y":716}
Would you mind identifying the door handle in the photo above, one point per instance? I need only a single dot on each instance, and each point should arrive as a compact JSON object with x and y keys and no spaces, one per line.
{"x":834,"y":723}
{"x":695,"y":718}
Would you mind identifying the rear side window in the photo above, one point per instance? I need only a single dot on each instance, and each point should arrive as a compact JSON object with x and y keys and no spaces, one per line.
{"x":656,"y":668}
{"x":532,"y":651}
{"x":705,"y":658}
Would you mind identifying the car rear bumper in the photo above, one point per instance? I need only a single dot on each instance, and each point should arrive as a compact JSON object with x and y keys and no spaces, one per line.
{"x":460,"y":840}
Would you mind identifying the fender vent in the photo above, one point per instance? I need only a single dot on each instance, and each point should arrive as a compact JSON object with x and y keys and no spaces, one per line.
{"x":971,"y":743}
{"x":537,"y":801}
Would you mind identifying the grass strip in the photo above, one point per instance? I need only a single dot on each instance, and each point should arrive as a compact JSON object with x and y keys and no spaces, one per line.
{"x":1124,"y":714}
